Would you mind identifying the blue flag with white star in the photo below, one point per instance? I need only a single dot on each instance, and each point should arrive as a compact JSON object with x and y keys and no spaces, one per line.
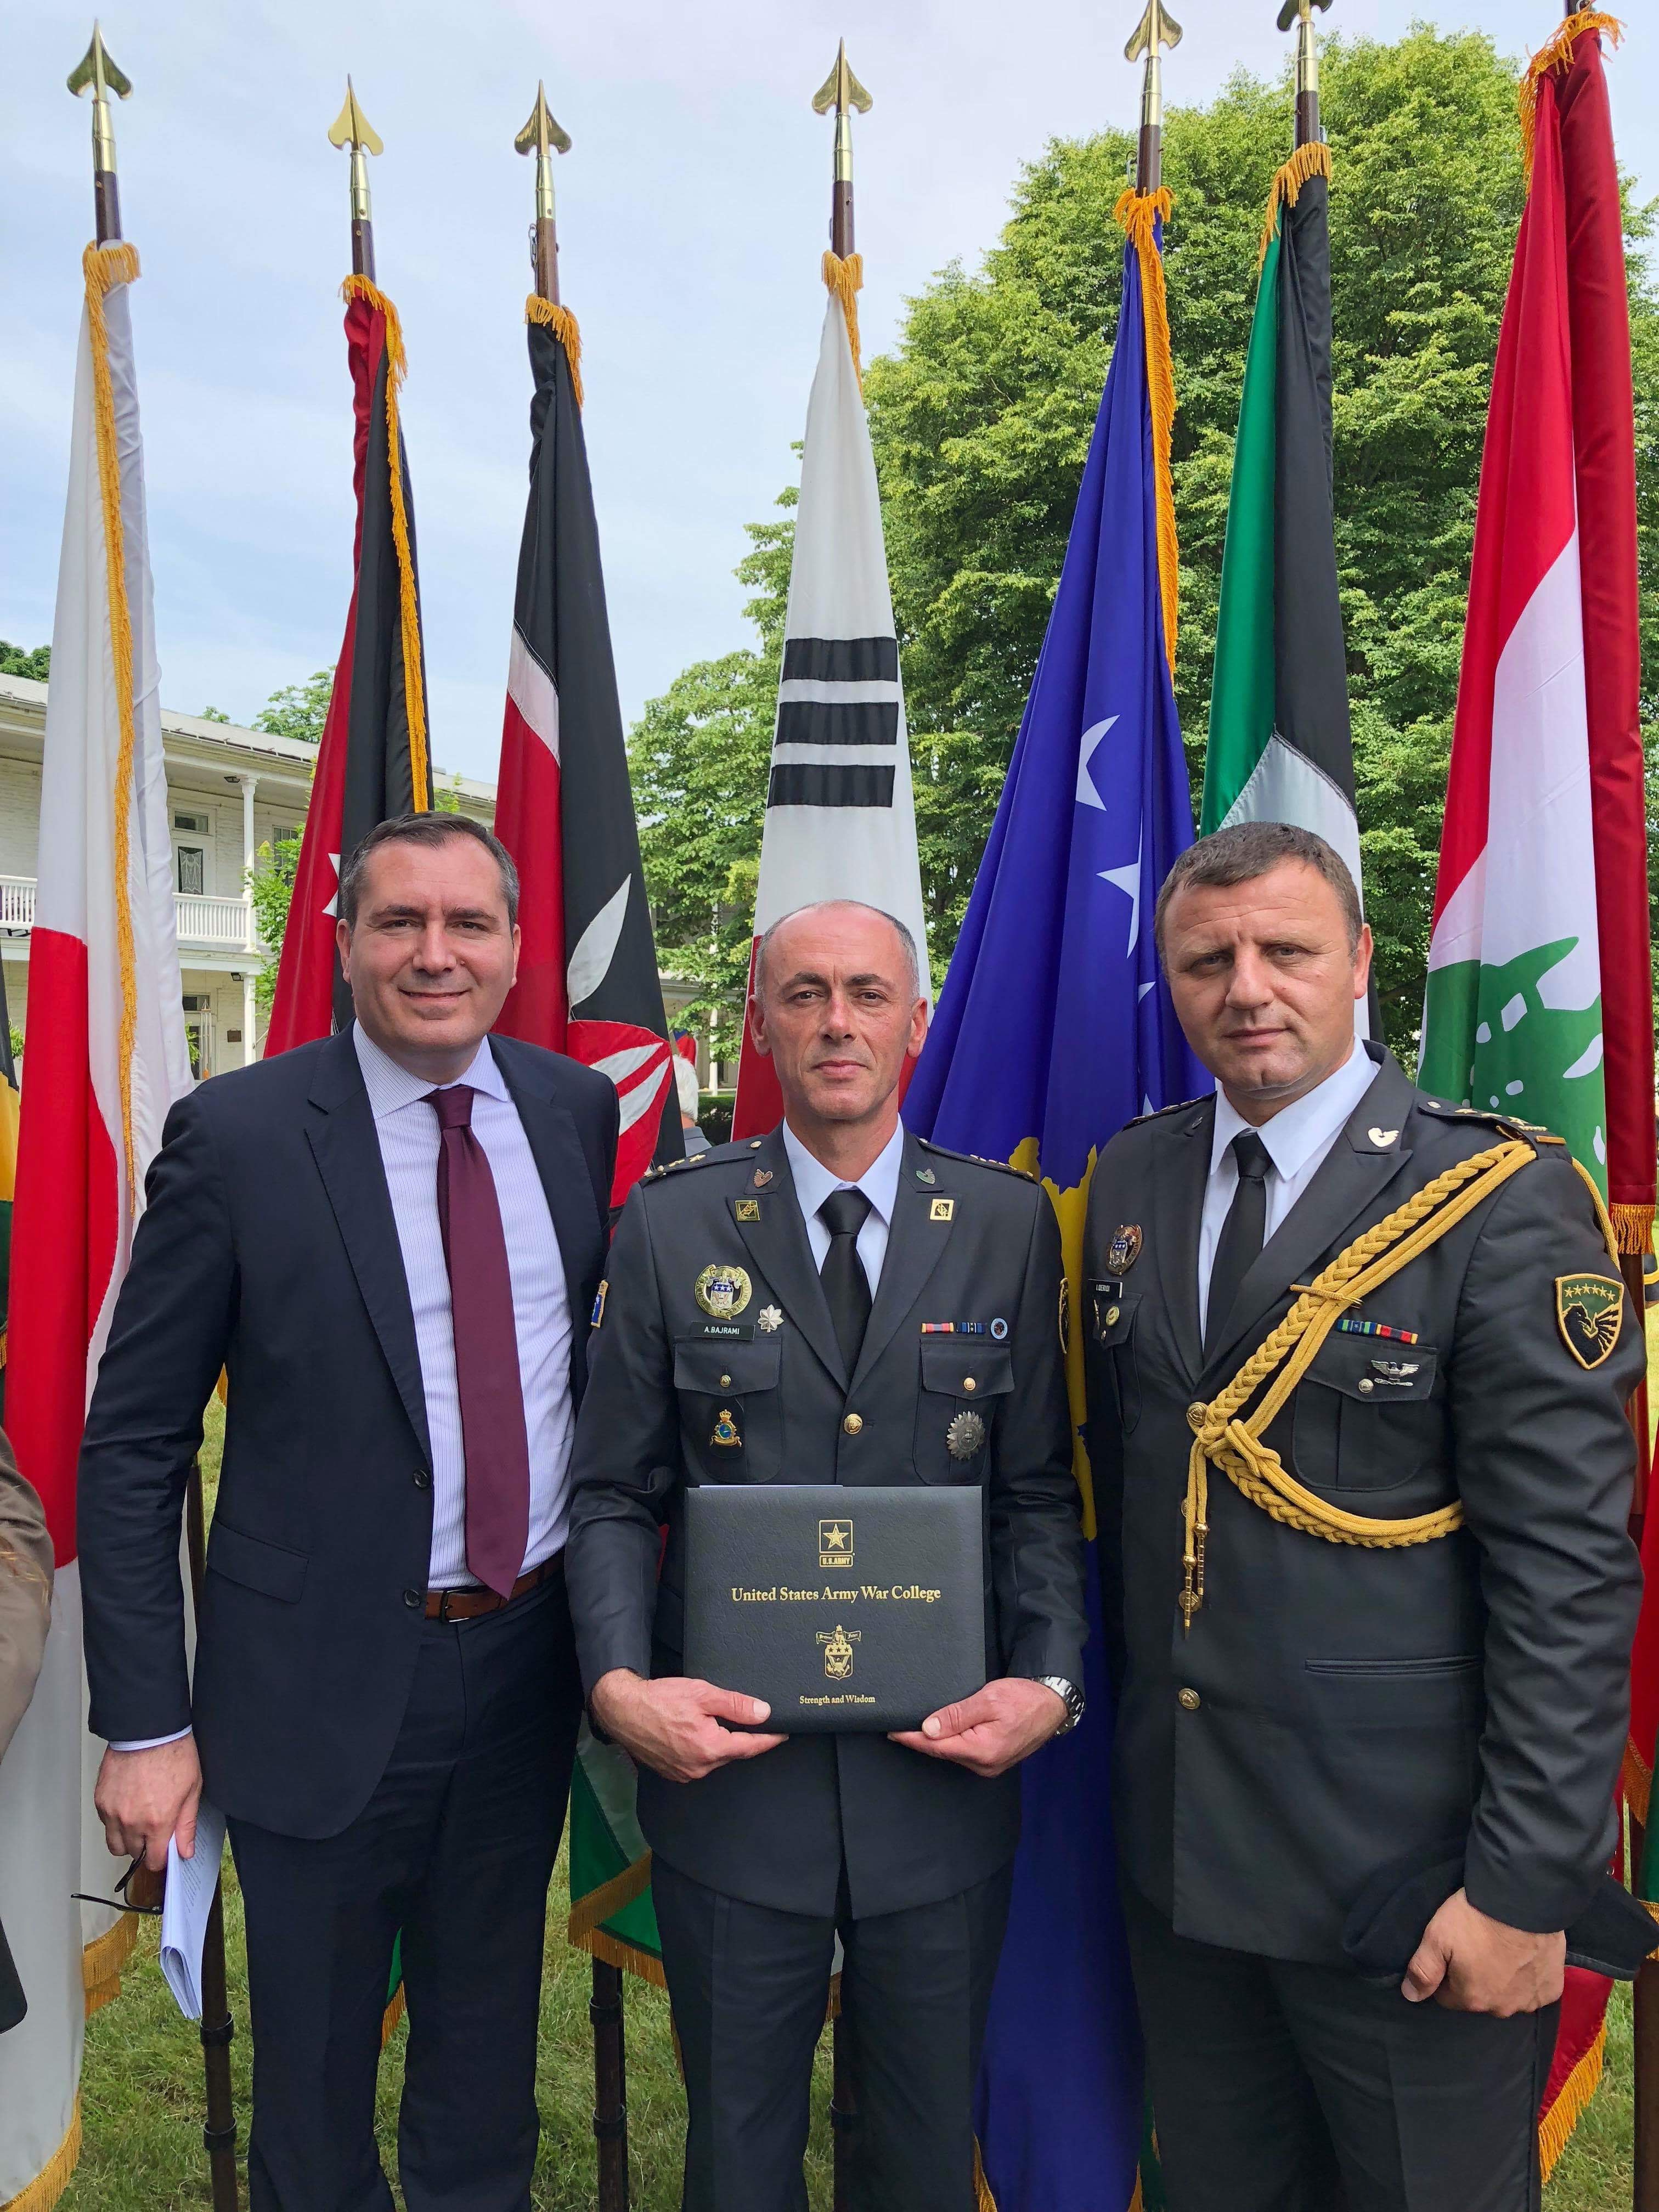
{"x":1053,"y":1028}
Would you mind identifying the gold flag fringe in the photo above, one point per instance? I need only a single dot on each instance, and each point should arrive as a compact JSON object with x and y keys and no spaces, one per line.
{"x":1636,"y":1780}
{"x":102,"y":1960}
{"x":983,"y":2200}
{"x":419,"y":770}
{"x":392,"y":2016}
{"x":846,"y":280}
{"x":104,"y":267}
{"x":614,"y":1952}
{"x":562,"y":324}
{"x":1570,"y":2106}
{"x":1137,"y":213}
{"x":1632,"y":1225}
{"x":1312,"y":160}
{"x":1558,"y":54}
{"x":587,"y":1912}
{"x":1137,"y":2202}
{"x":53,"y":2179}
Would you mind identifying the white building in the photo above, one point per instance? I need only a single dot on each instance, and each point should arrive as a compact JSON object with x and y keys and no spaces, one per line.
{"x":230,"y":791}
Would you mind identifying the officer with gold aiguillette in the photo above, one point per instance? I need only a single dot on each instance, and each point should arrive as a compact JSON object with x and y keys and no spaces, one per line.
{"x":836,"y":1302}
{"x":1358,"y":1361}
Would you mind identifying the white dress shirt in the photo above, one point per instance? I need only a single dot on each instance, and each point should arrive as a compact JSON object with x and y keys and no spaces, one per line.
{"x":1298,"y":1139}
{"x":879,"y":1183}
{"x":407,"y":1128}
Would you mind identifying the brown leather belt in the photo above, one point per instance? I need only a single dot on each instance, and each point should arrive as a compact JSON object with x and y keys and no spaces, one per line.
{"x":472,"y":1604}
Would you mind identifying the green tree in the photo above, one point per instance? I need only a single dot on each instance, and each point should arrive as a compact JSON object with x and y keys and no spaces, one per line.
{"x":214,"y":714}
{"x":17,"y":660}
{"x":298,"y":710}
{"x":271,"y":890}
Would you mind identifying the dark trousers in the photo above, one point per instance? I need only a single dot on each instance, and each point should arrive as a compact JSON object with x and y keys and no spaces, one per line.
{"x":750,"y":1987}
{"x":1278,"y":2086}
{"x":454,"y":1848}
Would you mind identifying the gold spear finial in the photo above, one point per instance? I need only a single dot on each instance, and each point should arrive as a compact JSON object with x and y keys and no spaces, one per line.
{"x":351,"y":128}
{"x":1156,"y":29}
{"x":543,"y":138}
{"x":841,"y":89}
{"x":97,"y":72}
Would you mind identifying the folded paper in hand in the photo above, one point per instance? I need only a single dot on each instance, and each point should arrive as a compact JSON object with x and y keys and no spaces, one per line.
{"x":191,"y":1885}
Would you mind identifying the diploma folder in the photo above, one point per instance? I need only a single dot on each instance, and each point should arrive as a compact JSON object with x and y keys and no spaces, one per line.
{"x":848,"y":1610}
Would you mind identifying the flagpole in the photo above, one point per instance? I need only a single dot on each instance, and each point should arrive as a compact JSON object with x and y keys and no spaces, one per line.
{"x":841,"y":92}
{"x":96,"y":72}
{"x":351,"y":128}
{"x":1156,"y":29}
{"x":543,"y":138}
{"x":1309,"y":129}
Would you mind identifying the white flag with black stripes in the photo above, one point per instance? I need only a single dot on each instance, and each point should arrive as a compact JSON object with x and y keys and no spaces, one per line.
{"x":840,"y":820}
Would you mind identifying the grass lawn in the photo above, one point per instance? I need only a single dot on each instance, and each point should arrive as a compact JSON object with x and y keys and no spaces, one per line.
{"x":141,"y":2099}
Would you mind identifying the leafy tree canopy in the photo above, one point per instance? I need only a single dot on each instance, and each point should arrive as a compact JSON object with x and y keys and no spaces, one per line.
{"x":298,"y":710}
{"x":17,"y":660}
{"x":981,"y":416}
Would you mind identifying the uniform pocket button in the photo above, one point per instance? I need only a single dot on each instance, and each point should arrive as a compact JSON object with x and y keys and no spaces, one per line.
{"x":969,"y":1383}
{"x":1366,"y":1385}
{"x":1195,"y":1413}
{"x":1188,"y":1700}
{"x":854,"y":1424}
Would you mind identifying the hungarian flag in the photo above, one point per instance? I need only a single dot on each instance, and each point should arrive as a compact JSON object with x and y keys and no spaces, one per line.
{"x":1279,"y":747}
{"x":107,"y":1060}
{"x":564,"y":809}
{"x":840,"y":822}
{"x":1539,"y":944}
{"x":373,"y":765}
{"x":1054,"y":1028}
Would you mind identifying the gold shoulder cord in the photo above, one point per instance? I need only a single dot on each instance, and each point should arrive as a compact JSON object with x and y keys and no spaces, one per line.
{"x":1222,"y":1440}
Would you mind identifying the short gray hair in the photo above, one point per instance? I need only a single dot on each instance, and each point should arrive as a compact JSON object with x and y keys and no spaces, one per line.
{"x":907,"y":942}
{"x":1229,"y":857}
{"x":428,"y":829}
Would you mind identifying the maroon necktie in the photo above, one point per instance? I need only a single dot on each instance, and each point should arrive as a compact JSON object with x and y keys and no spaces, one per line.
{"x":487,"y":1379}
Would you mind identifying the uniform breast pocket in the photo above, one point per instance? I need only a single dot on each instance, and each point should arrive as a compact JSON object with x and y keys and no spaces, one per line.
{"x":730,"y":1413}
{"x":964,"y":1381}
{"x":1367,"y":1416}
{"x":1110,"y":1321}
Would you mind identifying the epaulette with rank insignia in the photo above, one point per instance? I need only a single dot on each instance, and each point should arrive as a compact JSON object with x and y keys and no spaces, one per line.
{"x":978,"y":1159}
{"x":1511,"y":1124}
{"x":1182,"y":1106}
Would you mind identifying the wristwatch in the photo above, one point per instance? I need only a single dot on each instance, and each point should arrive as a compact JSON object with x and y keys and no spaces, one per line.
{"x":1072,"y":1696}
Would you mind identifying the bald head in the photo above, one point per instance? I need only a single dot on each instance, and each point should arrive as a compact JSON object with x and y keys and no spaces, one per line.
{"x":826,"y":911}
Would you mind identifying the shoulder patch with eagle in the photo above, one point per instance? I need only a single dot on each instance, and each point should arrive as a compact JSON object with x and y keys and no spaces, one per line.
{"x":1588,"y":1311}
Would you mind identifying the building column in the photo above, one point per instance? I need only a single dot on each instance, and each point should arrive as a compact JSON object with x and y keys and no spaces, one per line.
{"x":249,"y":1008}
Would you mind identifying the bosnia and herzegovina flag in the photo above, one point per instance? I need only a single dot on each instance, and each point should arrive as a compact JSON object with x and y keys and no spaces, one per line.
{"x":1281,"y":747}
{"x":564,"y":809}
{"x":373,"y":763}
{"x":1054,"y":1028}
{"x":1539,"y":998}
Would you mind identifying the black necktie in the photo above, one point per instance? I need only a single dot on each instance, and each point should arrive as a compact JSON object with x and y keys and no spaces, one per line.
{"x":1243,"y":1233}
{"x":846,"y":1286}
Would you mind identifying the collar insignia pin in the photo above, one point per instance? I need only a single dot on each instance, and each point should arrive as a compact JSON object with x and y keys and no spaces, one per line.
{"x":1382,"y":1136}
{"x":748,"y":1209}
{"x":925,"y":1175}
{"x":769,"y":1318}
{"x":762,"y":1177}
{"x":942,"y":1209}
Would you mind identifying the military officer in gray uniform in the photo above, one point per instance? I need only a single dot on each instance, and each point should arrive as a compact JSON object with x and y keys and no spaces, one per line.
{"x":1357,"y":1360}
{"x":766,"y":1319}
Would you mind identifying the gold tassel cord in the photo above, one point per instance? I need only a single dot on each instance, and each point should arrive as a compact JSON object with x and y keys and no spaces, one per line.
{"x":1285,"y":190}
{"x":420,"y":769}
{"x":53,"y":2179}
{"x":1571,"y":2103}
{"x":1558,"y":54}
{"x":1138,"y":213}
{"x":846,"y":280}
{"x":1604,"y":1220}
{"x":562,"y":324}
{"x":1235,"y":1448}
{"x":104,"y":267}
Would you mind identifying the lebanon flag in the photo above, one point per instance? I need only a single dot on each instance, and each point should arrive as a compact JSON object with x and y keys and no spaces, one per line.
{"x":1540,"y":939}
{"x":840,"y":822}
{"x":564,"y":808}
{"x":373,"y":764}
{"x":107,"y":1059}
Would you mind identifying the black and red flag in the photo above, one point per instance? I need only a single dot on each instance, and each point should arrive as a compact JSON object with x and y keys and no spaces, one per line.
{"x":373,"y":764}
{"x":564,"y":808}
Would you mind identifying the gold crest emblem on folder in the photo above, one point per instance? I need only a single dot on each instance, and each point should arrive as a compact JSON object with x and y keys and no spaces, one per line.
{"x":838,"y":1651}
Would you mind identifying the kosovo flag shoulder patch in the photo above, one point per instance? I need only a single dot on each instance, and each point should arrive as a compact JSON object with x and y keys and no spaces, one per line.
{"x":1589,"y":1310}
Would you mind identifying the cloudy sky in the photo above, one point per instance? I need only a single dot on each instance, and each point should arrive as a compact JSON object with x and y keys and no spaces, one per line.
{"x":692,"y":212}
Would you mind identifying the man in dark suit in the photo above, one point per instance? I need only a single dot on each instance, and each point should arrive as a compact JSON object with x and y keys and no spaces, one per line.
{"x":848,"y":1238}
{"x":1373,"y":1611}
{"x":390,"y":1241}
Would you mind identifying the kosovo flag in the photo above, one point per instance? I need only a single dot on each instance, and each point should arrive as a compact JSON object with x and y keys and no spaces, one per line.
{"x":1054,"y":1029}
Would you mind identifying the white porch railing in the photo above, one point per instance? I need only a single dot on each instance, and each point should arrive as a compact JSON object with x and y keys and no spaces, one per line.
{"x":219,"y":924}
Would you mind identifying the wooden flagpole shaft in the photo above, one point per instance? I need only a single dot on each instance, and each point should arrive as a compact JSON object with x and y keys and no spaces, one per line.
{"x":219,"y":2134}
{"x":605,"y":2010}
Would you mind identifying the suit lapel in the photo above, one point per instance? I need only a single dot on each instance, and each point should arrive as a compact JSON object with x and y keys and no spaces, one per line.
{"x":565,"y":1184}
{"x":777,"y":1242}
{"x":1355,"y":1169}
{"x":347,"y":1150}
{"x":1180,"y":1171}
{"x":916,"y":1245}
